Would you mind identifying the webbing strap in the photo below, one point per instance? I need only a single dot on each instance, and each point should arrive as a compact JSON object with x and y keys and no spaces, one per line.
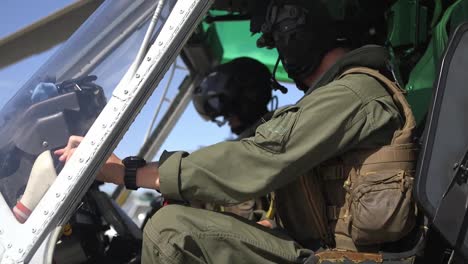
{"x":403,"y":135}
{"x":355,"y":257}
{"x":320,"y":223}
{"x":332,"y":172}
{"x":385,"y":154}
{"x":333,"y":212}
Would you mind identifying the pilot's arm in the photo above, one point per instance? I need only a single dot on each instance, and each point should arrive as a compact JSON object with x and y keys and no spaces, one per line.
{"x":327,"y":122}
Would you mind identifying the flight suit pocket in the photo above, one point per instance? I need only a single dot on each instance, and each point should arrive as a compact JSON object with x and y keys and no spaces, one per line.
{"x":274,"y":134}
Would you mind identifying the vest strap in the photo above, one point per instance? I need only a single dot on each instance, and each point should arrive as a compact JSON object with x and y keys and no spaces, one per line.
{"x":400,"y":153}
{"x":333,"y":212}
{"x":332,"y":172}
{"x":337,"y":256}
{"x":403,"y":135}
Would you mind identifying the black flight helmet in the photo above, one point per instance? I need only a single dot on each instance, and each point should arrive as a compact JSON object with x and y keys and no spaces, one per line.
{"x":239,"y":88}
{"x":301,"y":30}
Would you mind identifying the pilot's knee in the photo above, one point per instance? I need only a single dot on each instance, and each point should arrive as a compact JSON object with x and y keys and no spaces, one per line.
{"x":160,"y":231}
{"x":168,"y":219}
{"x":166,"y":233}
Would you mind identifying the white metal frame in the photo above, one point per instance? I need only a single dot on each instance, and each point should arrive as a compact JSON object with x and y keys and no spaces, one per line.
{"x":19,"y":241}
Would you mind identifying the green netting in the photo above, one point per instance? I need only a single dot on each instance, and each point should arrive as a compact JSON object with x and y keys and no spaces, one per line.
{"x":237,"y":41}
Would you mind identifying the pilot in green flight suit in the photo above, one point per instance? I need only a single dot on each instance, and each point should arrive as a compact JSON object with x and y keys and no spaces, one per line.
{"x":323,"y":156}
{"x":231,"y":94}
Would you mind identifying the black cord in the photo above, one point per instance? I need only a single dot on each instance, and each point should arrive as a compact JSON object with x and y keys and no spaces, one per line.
{"x":274,"y":83}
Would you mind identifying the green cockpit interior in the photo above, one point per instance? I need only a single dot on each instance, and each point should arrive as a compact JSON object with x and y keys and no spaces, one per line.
{"x":417,"y":34}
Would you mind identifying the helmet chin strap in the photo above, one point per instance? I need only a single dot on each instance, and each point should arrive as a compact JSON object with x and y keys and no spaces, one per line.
{"x":274,"y":83}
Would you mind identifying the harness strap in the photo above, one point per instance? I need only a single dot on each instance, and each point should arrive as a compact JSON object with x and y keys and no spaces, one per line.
{"x":333,"y":212}
{"x":400,"y":153}
{"x":332,"y":172}
{"x":314,"y":201}
{"x":359,"y":158}
{"x":336,"y":256}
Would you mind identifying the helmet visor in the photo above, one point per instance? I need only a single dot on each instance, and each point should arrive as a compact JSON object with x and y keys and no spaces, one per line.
{"x":208,"y":97}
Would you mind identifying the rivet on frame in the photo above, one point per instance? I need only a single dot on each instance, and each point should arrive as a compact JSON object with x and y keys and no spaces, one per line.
{"x":148,"y":58}
{"x":20,"y":250}
{"x":57,"y":195}
{"x":160,"y":43}
{"x":181,"y":11}
{"x":1,"y":231}
{"x":81,"y":160}
{"x":93,"y":143}
{"x":126,"y":91}
{"x":46,"y":212}
{"x":9,"y":245}
{"x":137,"y":75}
{"x":104,"y":125}
{"x":33,"y":230}
{"x":171,"y":27}
{"x":69,"y":177}
{"x":45,"y":144}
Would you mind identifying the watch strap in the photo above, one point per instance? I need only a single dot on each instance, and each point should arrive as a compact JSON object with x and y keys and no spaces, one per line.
{"x":130,"y":178}
{"x":132,"y":164}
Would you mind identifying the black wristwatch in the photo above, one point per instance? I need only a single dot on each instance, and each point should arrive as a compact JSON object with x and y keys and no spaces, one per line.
{"x":132,"y":164}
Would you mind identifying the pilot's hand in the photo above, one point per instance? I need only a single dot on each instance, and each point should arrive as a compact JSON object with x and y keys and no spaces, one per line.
{"x":266,"y":223}
{"x":69,"y":149}
{"x":111,"y":172}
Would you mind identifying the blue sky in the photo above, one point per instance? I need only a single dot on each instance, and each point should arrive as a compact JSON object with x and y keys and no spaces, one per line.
{"x":190,"y":133}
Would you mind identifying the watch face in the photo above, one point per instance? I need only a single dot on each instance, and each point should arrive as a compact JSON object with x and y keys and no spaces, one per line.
{"x":134,"y":162}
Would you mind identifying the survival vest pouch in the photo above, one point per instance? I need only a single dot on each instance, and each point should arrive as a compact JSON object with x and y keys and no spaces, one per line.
{"x":361,"y":199}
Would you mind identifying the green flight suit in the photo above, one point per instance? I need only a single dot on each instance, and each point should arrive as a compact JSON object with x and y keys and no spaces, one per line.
{"x":330,"y":120}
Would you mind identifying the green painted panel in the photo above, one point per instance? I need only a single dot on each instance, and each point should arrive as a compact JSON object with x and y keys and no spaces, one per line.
{"x":423,"y":75}
{"x":237,"y":41}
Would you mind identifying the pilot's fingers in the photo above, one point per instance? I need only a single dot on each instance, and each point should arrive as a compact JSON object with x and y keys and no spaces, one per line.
{"x":70,"y":153}
{"x":66,"y":154}
{"x":266,"y":223}
{"x":59,"y":152}
{"x":62,"y":153}
{"x":74,"y":141}
{"x":63,"y":157}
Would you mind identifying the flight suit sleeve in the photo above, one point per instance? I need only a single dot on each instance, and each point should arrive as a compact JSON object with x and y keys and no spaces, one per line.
{"x":323,"y":124}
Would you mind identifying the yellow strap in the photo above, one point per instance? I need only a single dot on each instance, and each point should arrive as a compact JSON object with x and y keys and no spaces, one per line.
{"x":270,"y":214}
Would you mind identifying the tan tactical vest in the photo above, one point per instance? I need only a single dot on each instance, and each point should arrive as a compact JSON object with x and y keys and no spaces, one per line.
{"x":360,"y":199}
